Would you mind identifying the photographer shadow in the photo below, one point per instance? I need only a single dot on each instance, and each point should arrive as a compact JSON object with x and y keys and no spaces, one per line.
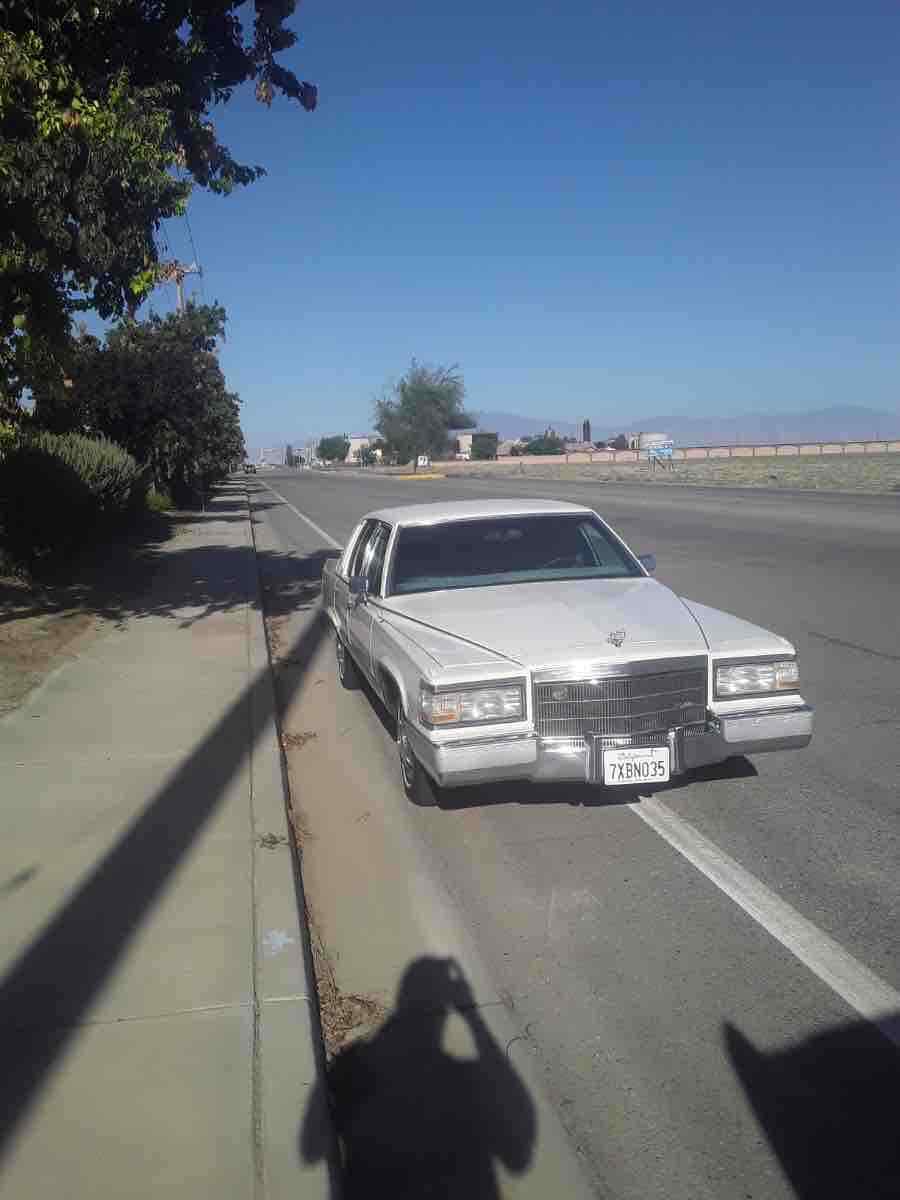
{"x":414,"y":1120}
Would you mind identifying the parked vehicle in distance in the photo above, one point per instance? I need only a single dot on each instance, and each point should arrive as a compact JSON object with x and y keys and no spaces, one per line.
{"x":249,"y":468}
{"x":423,"y":461}
{"x":523,"y":639}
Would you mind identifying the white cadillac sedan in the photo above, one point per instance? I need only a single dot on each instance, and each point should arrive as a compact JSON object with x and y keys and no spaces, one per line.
{"x":523,"y":639}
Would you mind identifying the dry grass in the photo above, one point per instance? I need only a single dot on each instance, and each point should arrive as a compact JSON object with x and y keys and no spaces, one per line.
{"x":343,"y":1016}
{"x":296,"y":741}
{"x":35,"y":636}
{"x":874,"y":473}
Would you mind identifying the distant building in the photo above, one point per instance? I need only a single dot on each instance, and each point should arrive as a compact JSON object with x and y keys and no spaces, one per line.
{"x":644,"y":441}
{"x":362,"y":442}
{"x":484,"y":444}
{"x":463,"y":444}
{"x":475,"y":443}
{"x":586,"y":431}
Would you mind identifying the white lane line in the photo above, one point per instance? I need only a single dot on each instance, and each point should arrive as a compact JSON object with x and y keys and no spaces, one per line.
{"x":861,"y":988}
{"x":326,"y":537}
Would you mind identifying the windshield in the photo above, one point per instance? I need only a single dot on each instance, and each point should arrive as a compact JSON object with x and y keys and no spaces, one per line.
{"x":496,"y":550}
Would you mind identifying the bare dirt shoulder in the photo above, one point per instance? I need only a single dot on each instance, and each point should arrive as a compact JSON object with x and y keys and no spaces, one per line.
{"x":295,"y":632}
{"x":35,"y":636}
{"x":864,"y":473}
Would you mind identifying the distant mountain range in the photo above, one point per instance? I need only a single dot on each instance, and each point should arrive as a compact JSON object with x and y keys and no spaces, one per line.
{"x":846,"y":423}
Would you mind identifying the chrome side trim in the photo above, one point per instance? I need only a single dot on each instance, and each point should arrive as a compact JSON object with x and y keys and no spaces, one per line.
{"x":485,"y":741}
{"x":581,"y":673}
{"x":674,"y":743}
{"x":479,"y":686}
{"x":750,"y":660}
{"x":787,"y":710}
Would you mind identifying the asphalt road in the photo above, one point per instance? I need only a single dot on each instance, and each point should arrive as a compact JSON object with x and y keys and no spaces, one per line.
{"x":688,"y":1052}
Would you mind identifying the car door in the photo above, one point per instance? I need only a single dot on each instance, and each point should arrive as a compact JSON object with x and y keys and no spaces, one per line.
{"x":343,"y":601}
{"x":361,"y":615}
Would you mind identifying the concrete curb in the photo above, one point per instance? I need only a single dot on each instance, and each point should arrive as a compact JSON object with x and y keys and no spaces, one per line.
{"x":289,"y":1053}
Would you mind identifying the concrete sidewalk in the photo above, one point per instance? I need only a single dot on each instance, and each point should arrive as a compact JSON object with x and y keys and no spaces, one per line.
{"x":158,"y":1032}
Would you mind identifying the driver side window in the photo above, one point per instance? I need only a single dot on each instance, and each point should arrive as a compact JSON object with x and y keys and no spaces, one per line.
{"x":373,"y":562}
{"x":354,"y":562}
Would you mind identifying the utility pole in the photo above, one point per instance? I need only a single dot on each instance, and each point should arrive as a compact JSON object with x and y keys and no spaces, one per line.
{"x":176,"y":272}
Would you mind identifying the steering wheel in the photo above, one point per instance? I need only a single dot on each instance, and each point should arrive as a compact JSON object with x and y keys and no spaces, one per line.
{"x":564,"y":560}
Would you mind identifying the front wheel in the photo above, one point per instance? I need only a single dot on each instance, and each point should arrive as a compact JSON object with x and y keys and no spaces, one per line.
{"x":420,"y":788}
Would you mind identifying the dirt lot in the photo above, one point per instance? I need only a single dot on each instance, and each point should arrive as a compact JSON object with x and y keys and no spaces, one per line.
{"x":850,"y":473}
{"x":45,"y":622}
{"x":36,"y":634}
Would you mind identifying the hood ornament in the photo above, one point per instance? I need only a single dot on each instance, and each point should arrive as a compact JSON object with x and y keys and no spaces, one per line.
{"x":616,"y":638}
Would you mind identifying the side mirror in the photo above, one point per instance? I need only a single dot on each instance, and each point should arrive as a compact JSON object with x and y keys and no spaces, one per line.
{"x":648,"y":562}
{"x":359,"y":589}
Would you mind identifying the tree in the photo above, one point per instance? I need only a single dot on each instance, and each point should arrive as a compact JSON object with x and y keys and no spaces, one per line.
{"x":366,"y":456}
{"x":333,"y":449}
{"x":619,"y":443}
{"x":104,"y":130}
{"x":548,"y":443}
{"x":290,"y":459}
{"x":156,"y":388}
{"x":426,"y":405}
{"x":484,"y":445}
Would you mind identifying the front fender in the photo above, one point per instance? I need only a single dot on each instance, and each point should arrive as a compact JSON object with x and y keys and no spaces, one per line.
{"x":392,"y":677}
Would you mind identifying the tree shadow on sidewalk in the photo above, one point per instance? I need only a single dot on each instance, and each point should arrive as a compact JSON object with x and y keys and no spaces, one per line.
{"x":47,"y":992}
{"x":147,"y":575}
{"x":119,"y":579}
{"x":414,"y":1120}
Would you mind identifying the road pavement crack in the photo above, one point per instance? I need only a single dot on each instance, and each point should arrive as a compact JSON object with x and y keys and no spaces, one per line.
{"x":833,"y":641}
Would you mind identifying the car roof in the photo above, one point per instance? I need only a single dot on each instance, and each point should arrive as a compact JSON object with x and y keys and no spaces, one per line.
{"x":440,"y":511}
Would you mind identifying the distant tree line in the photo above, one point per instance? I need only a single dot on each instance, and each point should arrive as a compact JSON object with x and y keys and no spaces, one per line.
{"x":419,"y":414}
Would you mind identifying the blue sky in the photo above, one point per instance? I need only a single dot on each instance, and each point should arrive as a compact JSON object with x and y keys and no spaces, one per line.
{"x":611,"y":210}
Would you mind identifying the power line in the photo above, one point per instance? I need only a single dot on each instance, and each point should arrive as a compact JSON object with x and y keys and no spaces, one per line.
{"x":187,"y":222}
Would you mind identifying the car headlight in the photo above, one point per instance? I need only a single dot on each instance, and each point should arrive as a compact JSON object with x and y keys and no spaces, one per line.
{"x":471,"y":706}
{"x":757,"y":678}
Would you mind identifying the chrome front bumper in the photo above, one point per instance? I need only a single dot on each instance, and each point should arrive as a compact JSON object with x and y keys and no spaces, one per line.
{"x":525,"y":756}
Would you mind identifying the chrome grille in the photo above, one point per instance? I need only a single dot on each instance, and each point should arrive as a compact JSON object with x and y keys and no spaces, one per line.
{"x":640,"y":706}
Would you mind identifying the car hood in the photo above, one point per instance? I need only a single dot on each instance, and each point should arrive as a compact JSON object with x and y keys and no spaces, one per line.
{"x":546,"y":624}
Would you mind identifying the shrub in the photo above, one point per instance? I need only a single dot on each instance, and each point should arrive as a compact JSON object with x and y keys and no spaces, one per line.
{"x":159,"y":502}
{"x":548,"y":443}
{"x":58,"y":490}
{"x":8,"y":438}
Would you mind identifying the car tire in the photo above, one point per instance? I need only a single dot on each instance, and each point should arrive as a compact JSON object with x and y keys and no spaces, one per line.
{"x":346,"y":667}
{"x":420,"y":788}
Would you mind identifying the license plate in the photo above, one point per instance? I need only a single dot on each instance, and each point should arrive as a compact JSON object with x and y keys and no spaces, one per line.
{"x":642,"y":764}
